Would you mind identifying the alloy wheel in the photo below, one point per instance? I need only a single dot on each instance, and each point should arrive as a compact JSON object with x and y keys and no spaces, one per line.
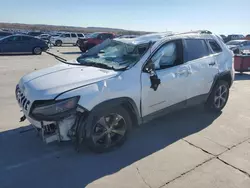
{"x":37,"y":50}
{"x":221,"y":95}
{"x":109,"y":130}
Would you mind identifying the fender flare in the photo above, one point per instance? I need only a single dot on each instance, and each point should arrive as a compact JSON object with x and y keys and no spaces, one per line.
{"x":126,"y":102}
{"x":220,"y":76}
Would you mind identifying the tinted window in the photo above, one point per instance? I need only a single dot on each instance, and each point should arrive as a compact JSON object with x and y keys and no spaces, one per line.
{"x":110,"y":36}
{"x":168,"y":55}
{"x":13,"y":39}
{"x":80,"y":35}
{"x":215,"y":46}
{"x":67,"y":35}
{"x":25,"y":38}
{"x":101,"y":36}
{"x":73,"y":35}
{"x":195,"y":49}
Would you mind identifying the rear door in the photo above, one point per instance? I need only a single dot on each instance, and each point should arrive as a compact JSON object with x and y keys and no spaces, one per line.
{"x":27,"y":44}
{"x":67,"y":39}
{"x":73,"y":38}
{"x":203,"y":67}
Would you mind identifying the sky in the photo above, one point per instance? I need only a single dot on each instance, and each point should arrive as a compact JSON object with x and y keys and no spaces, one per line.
{"x":218,"y":16}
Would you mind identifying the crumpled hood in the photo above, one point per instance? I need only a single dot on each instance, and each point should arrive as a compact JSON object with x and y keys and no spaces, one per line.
{"x":48,"y":83}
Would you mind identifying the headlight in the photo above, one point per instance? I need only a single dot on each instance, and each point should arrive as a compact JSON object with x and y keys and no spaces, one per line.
{"x":55,"y":109}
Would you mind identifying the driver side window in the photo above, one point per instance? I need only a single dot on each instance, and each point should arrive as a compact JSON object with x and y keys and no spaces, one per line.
{"x":169,"y":55}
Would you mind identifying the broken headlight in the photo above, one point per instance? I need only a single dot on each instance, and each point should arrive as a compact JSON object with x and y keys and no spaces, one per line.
{"x":55,"y":110}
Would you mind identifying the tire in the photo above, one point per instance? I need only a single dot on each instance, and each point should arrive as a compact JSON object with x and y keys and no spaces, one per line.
{"x":83,"y":50}
{"x":37,"y":50}
{"x":58,"y":43}
{"x":218,"y":97}
{"x":104,"y":138}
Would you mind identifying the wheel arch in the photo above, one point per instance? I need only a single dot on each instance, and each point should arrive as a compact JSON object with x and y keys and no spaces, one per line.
{"x":226,"y":76}
{"x":126,"y":102}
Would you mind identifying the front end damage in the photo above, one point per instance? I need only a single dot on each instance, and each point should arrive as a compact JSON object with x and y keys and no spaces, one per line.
{"x":52,"y":120}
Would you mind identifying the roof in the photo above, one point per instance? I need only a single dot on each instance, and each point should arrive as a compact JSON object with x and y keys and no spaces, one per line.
{"x":144,"y":38}
{"x":163,"y":36}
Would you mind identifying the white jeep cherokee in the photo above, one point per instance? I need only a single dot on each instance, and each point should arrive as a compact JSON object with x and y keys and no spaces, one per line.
{"x":66,"y":38}
{"x":123,"y":83}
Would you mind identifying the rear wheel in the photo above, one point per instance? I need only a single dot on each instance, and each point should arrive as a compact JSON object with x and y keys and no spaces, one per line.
{"x":109,"y":130}
{"x":37,"y":51}
{"x":218,"y":97}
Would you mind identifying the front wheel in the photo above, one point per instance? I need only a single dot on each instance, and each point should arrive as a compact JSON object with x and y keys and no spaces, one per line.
{"x":58,"y":43}
{"x":218,"y":97}
{"x":109,"y":129}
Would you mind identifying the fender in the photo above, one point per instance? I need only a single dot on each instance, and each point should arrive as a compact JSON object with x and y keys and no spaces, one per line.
{"x":226,"y":75}
{"x":126,"y":102}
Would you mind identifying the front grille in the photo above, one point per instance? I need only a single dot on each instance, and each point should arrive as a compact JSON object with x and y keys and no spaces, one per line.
{"x":22,"y":100}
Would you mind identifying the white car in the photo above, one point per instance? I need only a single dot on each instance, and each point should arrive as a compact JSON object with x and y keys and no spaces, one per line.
{"x":66,"y":38}
{"x":238,"y":45}
{"x":122,"y":83}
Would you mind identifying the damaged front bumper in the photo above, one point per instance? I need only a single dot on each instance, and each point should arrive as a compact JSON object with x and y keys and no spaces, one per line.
{"x":54,"y":120}
{"x":50,"y":131}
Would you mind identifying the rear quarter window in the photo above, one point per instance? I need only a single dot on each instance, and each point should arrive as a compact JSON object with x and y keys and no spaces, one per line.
{"x":214,"y":46}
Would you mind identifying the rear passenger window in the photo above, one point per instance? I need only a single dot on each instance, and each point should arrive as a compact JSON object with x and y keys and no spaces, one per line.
{"x":195,"y":49}
{"x":26,"y":38}
{"x":215,"y":46}
{"x":73,"y":35}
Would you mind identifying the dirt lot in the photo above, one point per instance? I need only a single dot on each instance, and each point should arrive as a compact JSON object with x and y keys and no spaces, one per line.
{"x":189,"y":148}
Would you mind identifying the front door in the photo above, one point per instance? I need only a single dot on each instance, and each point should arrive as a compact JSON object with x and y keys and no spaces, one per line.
{"x":171,"y":71}
{"x":12,"y":44}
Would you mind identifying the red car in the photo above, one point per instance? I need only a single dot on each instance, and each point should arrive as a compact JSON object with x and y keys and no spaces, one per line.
{"x":93,"y":39}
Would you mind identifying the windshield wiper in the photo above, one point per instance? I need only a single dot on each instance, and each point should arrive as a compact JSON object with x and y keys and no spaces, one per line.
{"x":61,"y":59}
{"x":100,"y":65}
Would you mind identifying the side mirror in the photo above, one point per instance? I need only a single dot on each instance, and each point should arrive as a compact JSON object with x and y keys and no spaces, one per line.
{"x":155,"y":81}
{"x":150,"y":67}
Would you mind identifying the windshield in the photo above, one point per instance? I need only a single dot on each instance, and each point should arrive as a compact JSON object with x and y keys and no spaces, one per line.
{"x":234,"y":42}
{"x":115,"y":54}
{"x":93,"y":35}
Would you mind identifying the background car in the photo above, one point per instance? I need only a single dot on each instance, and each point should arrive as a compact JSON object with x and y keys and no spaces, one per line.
{"x":4,"y":34}
{"x":45,"y":37}
{"x":223,"y":37}
{"x":66,"y":38}
{"x":247,"y":37}
{"x":238,"y":45}
{"x":35,"y":33}
{"x":234,"y":37}
{"x":22,"y":44}
{"x":93,"y":39}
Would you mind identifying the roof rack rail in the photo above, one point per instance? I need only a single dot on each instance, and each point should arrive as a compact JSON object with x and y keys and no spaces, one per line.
{"x":198,"y":31}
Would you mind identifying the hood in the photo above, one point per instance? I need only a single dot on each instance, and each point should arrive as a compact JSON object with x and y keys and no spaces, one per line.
{"x":48,"y":83}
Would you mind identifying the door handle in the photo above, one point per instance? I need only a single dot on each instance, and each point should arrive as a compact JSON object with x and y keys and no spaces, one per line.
{"x":211,"y":64}
{"x":182,"y":72}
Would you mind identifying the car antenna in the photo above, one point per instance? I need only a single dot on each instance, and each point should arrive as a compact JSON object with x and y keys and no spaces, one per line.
{"x":61,"y":59}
